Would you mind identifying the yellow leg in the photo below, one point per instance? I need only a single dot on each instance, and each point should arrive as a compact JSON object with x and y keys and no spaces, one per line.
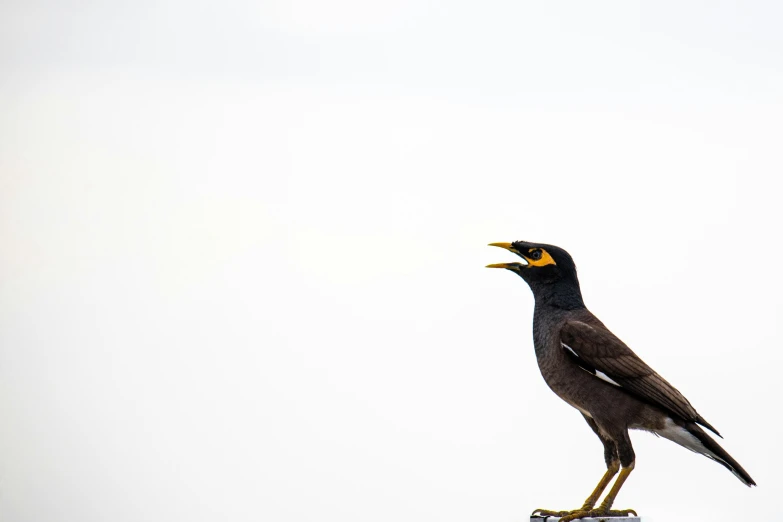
{"x":604,"y":509}
{"x":605,"y":480}
{"x":591,"y":500}
{"x":609,"y":499}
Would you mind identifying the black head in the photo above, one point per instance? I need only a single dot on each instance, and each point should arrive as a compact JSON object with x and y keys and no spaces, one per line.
{"x":549,"y":270}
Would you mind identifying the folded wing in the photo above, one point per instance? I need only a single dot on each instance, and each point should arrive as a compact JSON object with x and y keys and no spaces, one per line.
{"x":596,"y":349}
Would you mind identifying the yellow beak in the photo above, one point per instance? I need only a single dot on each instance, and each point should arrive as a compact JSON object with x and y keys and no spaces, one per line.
{"x":507,"y":246}
{"x":510,"y":266}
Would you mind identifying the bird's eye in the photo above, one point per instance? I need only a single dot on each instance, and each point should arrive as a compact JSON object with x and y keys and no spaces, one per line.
{"x":535,"y":255}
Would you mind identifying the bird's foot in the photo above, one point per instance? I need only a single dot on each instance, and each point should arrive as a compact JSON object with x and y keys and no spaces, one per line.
{"x":595,"y":513}
{"x":548,"y":513}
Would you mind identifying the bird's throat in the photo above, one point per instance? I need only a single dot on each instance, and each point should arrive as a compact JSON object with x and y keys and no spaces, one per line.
{"x":561,"y":294}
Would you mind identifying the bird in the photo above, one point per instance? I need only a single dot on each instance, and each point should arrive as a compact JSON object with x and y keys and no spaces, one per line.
{"x":592,"y":370}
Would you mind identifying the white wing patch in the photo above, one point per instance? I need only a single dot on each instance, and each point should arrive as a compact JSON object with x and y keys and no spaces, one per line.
{"x":601,"y":375}
{"x":569,"y":349}
{"x":598,"y":373}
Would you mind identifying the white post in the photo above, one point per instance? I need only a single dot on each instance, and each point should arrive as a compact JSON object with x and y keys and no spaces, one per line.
{"x":597,"y":519}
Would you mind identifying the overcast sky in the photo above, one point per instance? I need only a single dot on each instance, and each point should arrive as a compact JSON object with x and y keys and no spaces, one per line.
{"x":242,"y":252}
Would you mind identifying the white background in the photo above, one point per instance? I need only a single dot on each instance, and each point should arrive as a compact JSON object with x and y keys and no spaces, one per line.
{"x":242,"y":251}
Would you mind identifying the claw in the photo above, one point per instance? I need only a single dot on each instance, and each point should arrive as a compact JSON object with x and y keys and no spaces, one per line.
{"x":595,"y":513}
{"x":548,"y":513}
{"x":575,"y":515}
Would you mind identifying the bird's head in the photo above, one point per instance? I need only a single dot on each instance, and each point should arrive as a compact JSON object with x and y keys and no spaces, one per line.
{"x":548,"y":269}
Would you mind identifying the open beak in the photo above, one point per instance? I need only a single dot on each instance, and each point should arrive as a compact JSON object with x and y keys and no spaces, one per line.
{"x":509,"y":266}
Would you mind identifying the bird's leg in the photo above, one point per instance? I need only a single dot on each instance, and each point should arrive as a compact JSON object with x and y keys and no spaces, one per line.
{"x":604,"y":509}
{"x":605,"y":480}
{"x":627,"y":458}
{"x":612,"y":467}
{"x":591,"y":500}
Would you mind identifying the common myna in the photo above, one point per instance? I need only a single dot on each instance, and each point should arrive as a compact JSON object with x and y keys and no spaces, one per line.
{"x":588,"y":367}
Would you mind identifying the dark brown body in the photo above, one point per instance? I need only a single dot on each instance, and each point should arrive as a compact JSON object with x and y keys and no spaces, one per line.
{"x":609,"y":410}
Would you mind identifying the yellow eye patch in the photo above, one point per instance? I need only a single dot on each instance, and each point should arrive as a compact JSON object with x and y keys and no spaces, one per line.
{"x":543,"y":260}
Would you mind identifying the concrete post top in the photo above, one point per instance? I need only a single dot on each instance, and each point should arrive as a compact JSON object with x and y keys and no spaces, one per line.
{"x":591,"y":519}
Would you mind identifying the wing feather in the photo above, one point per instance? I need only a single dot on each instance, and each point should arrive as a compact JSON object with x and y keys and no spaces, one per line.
{"x":598,"y":349}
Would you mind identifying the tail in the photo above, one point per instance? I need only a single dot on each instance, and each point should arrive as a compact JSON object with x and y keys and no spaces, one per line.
{"x":691,"y":436}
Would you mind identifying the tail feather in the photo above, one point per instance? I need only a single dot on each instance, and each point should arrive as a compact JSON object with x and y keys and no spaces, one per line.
{"x":691,"y":436}
{"x":720,"y":455}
